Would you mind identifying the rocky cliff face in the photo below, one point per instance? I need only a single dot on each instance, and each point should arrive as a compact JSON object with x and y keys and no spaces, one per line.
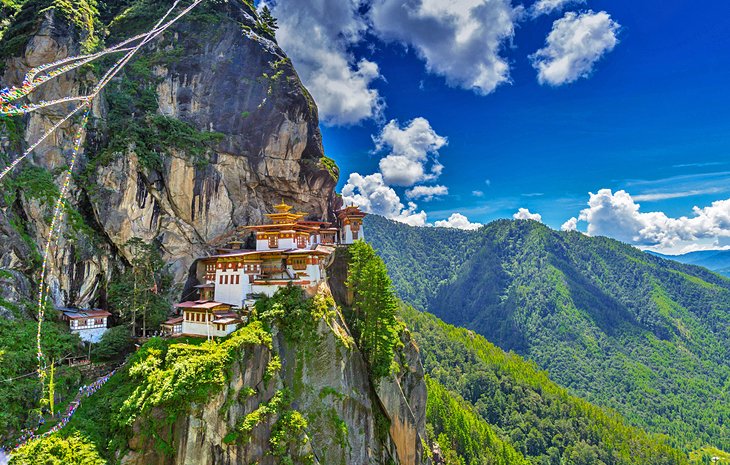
{"x":349,"y":422}
{"x":206,"y":130}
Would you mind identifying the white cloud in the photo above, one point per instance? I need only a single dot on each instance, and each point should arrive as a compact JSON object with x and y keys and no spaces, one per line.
{"x":575,"y":44}
{"x":570,"y":225}
{"x":317,"y":36}
{"x":458,"y":39}
{"x":412,"y":148}
{"x":373,"y":196}
{"x":546,"y":7}
{"x":617,"y":215}
{"x":477,"y":193}
{"x":458,"y":221}
{"x":525,"y":214}
{"x":411,"y":216}
{"x":427,"y":193}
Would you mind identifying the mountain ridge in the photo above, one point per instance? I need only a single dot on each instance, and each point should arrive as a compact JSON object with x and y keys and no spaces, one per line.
{"x":645,"y":336}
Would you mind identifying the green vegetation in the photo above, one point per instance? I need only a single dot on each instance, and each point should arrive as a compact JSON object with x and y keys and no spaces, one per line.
{"x":291,"y":312}
{"x":331,"y":167}
{"x":374,"y":305}
{"x":141,"y":291}
{"x":161,"y":381}
{"x":266,"y":22}
{"x":19,"y":387}
{"x":114,"y":344}
{"x":623,"y":329}
{"x":540,"y":419}
{"x":55,"y":450}
{"x":463,"y":436}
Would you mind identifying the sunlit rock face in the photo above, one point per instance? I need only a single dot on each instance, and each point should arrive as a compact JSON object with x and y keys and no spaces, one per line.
{"x":217,"y":72}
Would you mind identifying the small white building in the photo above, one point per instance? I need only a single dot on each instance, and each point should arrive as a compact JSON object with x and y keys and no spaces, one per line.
{"x":172,"y":327}
{"x":208,"y":318}
{"x":90,"y":325}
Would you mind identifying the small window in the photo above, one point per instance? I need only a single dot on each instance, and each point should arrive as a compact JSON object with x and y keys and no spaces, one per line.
{"x":273,"y":242}
{"x":354,"y":234}
{"x":301,"y":242}
{"x":221,"y":280}
{"x":238,"y":279}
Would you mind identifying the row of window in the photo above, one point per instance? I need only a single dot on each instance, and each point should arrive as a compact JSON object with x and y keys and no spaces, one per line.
{"x":274,"y":242}
{"x":235,"y":279}
{"x":90,"y":322}
{"x":196,"y":317}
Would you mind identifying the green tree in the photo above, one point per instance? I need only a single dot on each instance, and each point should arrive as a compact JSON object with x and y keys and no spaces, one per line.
{"x":115,"y":343}
{"x":54,"y":450}
{"x":267,"y":21}
{"x":374,"y":308}
{"x":138,"y":296}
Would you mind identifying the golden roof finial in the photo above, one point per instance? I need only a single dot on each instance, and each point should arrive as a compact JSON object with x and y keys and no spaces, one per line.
{"x":282,"y":207}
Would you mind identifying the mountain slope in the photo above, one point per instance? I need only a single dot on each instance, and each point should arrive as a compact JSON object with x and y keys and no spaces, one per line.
{"x":645,"y":336}
{"x":715,"y":260}
{"x":540,"y":419}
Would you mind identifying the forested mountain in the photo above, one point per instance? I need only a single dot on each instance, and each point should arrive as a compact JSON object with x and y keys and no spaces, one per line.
{"x":715,"y":260}
{"x":623,"y":329}
{"x":497,"y":396}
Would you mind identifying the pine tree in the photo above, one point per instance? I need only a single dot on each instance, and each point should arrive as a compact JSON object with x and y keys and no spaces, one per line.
{"x":374,"y":307}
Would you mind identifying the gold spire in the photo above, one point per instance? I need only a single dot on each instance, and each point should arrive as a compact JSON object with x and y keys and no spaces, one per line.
{"x":282,"y":207}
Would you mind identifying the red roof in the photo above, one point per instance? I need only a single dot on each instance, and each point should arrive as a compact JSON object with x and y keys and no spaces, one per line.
{"x":174,"y":321}
{"x":83,"y":314}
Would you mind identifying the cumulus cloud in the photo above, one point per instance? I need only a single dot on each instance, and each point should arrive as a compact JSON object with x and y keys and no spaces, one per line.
{"x":317,"y":35}
{"x":458,"y":39}
{"x":617,"y":215}
{"x":575,"y":44}
{"x":427,"y":193}
{"x":458,"y":221}
{"x":525,"y":214}
{"x":412,"y":148}
{"x":374,"y":196}
{"x":546,"y":7}
{"x":570,"y":225}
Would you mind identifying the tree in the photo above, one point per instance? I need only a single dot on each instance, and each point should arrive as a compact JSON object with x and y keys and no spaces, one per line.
{"x":374,"y":308}
{"x":139,"y":293}
{"x":267,"y":21}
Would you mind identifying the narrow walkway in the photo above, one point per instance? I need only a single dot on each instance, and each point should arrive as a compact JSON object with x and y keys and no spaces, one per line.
{"x":84,"y":391}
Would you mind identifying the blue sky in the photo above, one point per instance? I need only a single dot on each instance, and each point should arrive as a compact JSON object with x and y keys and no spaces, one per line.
{"x":649,"y":115}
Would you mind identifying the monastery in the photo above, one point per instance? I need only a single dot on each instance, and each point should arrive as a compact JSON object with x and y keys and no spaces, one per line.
{"x":289,"y":251}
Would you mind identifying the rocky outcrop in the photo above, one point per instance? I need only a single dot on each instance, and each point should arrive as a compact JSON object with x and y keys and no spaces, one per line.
{"x":220,"y":73}
{"x":326,"y":376}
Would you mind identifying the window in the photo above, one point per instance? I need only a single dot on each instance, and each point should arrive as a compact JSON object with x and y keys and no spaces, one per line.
{"x":99,"y":321}
{"x":225,"y":280}
{"x":298,"y":263}
{"x":273,"y":242}
{"x":354,"y":234}
{"x":221,"y":280}
{"x":301,"y":242}
{"x":238,"y":279}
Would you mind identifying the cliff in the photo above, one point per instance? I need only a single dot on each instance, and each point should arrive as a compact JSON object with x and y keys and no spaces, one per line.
{"x":291,"y":390}
{"x":204,"y":130}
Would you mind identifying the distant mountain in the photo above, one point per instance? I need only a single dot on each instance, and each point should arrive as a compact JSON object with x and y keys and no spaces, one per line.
{"x":715,"y":260}
{"x":623,"y":329}
{"x":476,"y":389}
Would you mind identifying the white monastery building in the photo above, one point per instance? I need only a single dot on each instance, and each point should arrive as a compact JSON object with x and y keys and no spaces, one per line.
{"x":90,"y":325}
{"x":289,"y":251}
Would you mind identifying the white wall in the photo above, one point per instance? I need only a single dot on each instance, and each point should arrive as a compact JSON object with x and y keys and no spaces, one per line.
{"x":202,"y":329}
{"x":90,"y":335}
{"x":232,"y":294}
